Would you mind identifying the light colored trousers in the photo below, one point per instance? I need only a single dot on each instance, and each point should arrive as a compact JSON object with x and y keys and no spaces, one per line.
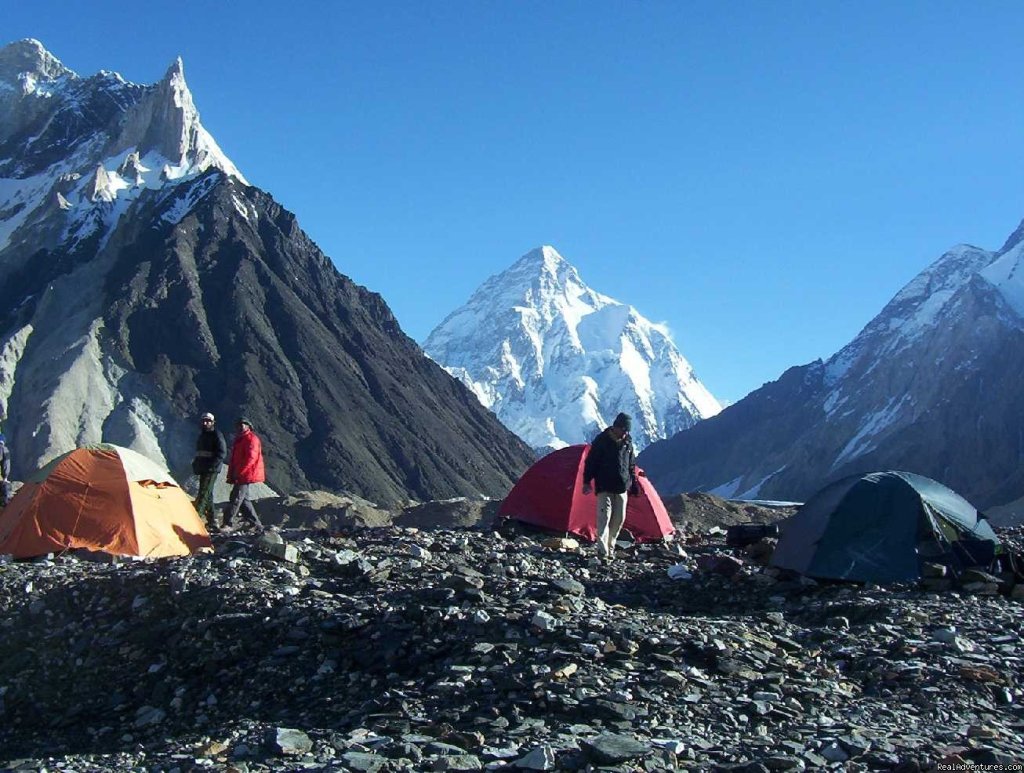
{"x":611,"y":513}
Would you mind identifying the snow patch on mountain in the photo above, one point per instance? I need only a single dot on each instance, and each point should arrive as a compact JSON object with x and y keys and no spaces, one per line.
{"x":158,"y":141}
{"x":727,"y":490}
{"x":1006,"y":273}
{"x":871,"y":426}
{"x":80,"y":154}
{"x":556,"y":360}
{"x":731,"y":489}
{"x":18,"y":199}
{"x":755,"y":490}
{"x":911,"y":313}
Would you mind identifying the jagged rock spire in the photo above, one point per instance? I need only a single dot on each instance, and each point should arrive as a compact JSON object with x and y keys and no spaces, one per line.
{"x":166,"y":121}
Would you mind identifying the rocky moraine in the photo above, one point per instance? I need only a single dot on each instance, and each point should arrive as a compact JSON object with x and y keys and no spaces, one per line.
{"x":403,"y":648}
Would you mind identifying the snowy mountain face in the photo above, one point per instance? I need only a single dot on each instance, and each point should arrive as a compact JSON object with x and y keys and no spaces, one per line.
{"x":89,"y":147}
{"x":142,"y":281}
{"x":77,"y":157}
{"x":931,"y":385}
{"x":556,"y":361}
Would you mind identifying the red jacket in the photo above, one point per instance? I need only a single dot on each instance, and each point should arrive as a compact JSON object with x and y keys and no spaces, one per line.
{"x":246,"y":464}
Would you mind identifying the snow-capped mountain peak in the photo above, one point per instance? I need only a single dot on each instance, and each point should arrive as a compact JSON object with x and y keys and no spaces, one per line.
{"x":137,"y":274}
{"x":27,"y":62}
{"x":557,"y":360}
{"x":931,"y":384}
{"x":912,"y":311}
{"x":77,"y":152}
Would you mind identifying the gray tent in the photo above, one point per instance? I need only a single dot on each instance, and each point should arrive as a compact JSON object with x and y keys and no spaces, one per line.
{"x":880,"y":527}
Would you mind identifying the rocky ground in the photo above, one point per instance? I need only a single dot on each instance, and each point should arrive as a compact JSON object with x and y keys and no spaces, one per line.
{"x":411,"y":648}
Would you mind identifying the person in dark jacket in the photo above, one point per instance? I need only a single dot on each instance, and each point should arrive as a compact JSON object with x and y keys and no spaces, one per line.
{"x":5,"y":473}
{"x":611,"y":468}
{"x":244,"y":469}
{"x":211,"y":451}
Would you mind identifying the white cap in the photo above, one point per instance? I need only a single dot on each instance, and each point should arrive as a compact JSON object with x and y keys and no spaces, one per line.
{"x":207,"y":416}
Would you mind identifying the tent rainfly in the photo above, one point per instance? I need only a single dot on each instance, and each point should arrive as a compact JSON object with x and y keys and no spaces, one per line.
{"x":105,"y":498}
{"x":549,"y":495}
{"x":881,"y":527}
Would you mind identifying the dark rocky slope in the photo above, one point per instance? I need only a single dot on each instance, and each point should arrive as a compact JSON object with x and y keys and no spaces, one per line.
{"x":248,"y":311}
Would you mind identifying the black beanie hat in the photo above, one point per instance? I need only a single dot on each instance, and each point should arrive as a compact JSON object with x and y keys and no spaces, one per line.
{"x":623,"y":421}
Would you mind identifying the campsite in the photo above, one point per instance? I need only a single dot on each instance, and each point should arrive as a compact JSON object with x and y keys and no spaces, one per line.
{"x":330,"y":460}
{"x":439,"y":637}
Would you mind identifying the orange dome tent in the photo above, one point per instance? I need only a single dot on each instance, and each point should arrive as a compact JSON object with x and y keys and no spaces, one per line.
{"x":106,"y":498}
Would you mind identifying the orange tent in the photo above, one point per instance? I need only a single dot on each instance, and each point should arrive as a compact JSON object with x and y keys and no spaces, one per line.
{"x":101,"y":497}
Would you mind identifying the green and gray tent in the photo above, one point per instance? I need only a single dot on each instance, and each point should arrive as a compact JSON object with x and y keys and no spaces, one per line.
{"x":880,"y":527}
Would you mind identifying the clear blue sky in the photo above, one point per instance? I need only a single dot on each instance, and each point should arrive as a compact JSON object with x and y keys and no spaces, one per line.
{"x":762,"y":176}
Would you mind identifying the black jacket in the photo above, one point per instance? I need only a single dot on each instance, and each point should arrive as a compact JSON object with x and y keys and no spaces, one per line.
{"x":210,"y":452}
{"x":611,"y":465}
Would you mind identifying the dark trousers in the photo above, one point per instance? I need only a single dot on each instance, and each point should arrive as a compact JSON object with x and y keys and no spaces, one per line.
{"x":5,"y":492}
{"x":240,"y":501}
{"x":204,"y":499}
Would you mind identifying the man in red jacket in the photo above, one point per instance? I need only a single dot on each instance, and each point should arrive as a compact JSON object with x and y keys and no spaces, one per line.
{"x":244,"y":469}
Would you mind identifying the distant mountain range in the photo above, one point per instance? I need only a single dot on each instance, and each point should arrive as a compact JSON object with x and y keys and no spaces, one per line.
{"x":931,"y":385}
{"x":556,"y":360}
{"x":142,"y":281}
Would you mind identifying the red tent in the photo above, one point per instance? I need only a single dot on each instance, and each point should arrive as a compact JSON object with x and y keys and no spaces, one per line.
{"x":549,"y":495}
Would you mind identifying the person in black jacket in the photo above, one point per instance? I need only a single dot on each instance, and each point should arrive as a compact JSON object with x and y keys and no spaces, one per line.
{"x":5,"y":473}
{"x":611,"y":466}
{"x":210,"y":453}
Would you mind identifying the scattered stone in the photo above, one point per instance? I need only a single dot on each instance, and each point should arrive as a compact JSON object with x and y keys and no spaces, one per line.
{"x":680,"y":572}
{"x":568,"y":585}
{"x":561,"y":543}
{"x":457,"y":762}
{"x":544,"y":621}
{"x":288,"y":741}
{"x":363,"y":761}
{"x":541,"y":758}
{"x":149,"y":715}
{"x":396,"y":648}
{"x":611,"y":749}
{"x":720,"y":563}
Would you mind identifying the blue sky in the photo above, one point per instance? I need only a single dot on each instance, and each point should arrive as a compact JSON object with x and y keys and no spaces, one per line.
{"x":762,"y":176}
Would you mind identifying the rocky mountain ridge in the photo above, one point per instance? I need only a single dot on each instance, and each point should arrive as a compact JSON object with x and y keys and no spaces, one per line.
{"x":143,"y":281}
{"x":929,"y":386}
{"x":556,"y":361}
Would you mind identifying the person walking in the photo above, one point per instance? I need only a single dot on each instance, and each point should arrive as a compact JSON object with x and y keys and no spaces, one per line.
{"x":244,"y":469}
{"x":611,"y":467}
{"x":5,"y":472}
{"x":211,"y":451}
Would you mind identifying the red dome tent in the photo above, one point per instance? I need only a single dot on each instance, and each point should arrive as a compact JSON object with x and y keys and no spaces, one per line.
{"x":550,"y":495}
